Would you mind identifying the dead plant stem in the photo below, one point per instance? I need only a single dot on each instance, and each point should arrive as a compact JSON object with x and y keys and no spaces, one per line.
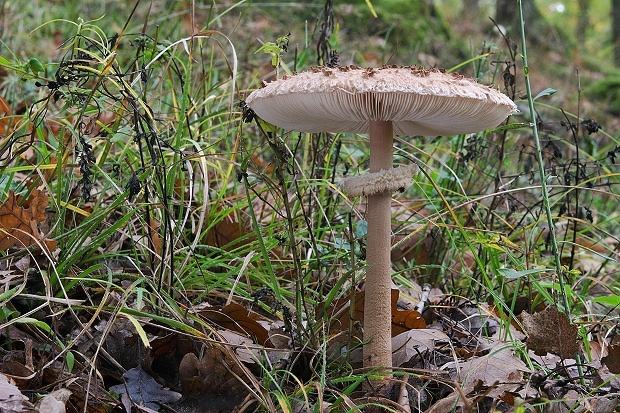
{"x":541,"y":166}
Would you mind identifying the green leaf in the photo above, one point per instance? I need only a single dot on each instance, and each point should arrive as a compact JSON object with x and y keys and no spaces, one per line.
{"x":141,"y":333}
{"x":7,"y":295}
{"x":70,"y":360}
{"x":269,"y":48}
{"x":6,"y":313}
{"x":33,"y":321}
{"x":527,"y":125}
{"x":611,"y":300}
{"x":267,"y":127}
{"x":514,"y":274}
{"x":282,"y":42}
{"x":361,"y":229}
{"x":547,"y":92}
{"x":35,"y":66}
{"x":342,"y":244}
{"x":168,"y":321}
{"x":4,"y":62}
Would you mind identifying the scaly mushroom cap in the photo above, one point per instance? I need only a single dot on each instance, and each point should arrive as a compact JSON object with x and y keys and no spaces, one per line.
{"x":418,"y":101}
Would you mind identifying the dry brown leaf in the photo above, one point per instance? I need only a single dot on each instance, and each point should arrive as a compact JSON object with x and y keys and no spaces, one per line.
{"x":550,"y":331}
{"x":19,"y":221}
{"x":242,"y":345}
{"x":55,"y":401}
{"x":94,"y":125}
{"x":612,"y":359}
{"x":214,"y":373}
{"x":338,"y":315}
{"x":598,"y":404}
{"x":224,"y":233}
{"x":122,"y":342}
{"x":500,"y":365}
{"x":11,"y":399}
{"x":237,"y":318}
{"x":5,"y":115}
{"x":404,"y":320}
{"x":141,"y":389}
{"x":158,"y":241}
{"x":493,"y":375}
{"x":414,"y":342}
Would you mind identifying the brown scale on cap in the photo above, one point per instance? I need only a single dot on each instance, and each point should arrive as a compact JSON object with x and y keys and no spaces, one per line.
{"x":369,"y":72}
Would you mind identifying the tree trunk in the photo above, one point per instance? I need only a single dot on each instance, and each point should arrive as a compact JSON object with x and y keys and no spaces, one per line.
{"x":583,"y":21}
{"x":616,"y":31}
{"x":471,"y":9}
{"x":537,"y":29}
{"x":507,"y":14}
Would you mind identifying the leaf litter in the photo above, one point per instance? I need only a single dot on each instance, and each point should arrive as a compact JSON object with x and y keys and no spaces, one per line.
{"x":457,"y":346}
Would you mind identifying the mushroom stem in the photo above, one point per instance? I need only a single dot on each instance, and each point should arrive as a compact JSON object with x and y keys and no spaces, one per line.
{"x":377,"y":301}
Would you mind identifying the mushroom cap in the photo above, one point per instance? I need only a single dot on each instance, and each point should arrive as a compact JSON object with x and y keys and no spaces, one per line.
{"x":418,"y":101}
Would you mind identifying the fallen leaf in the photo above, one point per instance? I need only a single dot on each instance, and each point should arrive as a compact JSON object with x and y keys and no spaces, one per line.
{"x":55,"y":401}
{"x":19,"y":221}
{"x":122,"y":342}
{"x":141,"y":389}
{"x":242,"y":346}
{"x":214,"y":373}
{"x":498,"y":365}
{"x":94,"y":125}
{"x":415,"y":342}
{"x":237,"y":318}
{"x":5,"y":115}
{"x":612,"y":359}
{"x":550,"y":331}
{"x":405,"y":320}
{"x":492,"y":375}
{"x":226,"y":233}
{"x":11,"y":399}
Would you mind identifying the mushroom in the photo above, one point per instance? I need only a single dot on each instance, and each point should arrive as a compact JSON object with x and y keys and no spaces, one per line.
{"x":383,"y":102}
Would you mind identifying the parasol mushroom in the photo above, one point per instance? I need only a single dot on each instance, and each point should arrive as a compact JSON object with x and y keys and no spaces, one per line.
{"x":383,"y":102}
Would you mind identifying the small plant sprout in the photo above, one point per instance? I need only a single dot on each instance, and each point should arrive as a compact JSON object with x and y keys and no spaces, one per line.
{"x":409,"y":101}
{"x":275,"y":49}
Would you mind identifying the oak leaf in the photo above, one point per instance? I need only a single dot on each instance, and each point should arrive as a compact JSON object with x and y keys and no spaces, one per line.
{"x":214,"y":373}
{"x":550,"y":331}
{"x":19,"y":221}
{"x":140,"y":388}
{"x":612,"y":359}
